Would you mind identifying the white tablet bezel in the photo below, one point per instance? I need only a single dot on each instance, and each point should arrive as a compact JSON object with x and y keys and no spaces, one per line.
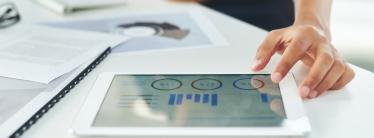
{"x":296,"y":124}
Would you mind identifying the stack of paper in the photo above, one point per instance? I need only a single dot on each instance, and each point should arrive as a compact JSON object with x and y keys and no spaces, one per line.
{"x":69,"y":6}
{"x":41,"y":54}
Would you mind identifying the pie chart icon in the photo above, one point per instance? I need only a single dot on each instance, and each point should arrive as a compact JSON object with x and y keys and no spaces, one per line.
{"x":248,"y":84}
{"x":166,"y":84}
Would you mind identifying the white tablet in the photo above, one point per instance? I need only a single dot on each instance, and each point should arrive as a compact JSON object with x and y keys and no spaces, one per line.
{"x":121,"y":104}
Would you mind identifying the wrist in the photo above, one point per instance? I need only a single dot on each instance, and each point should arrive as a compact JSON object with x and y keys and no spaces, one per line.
{"x":315,"y":13}
{"x":314,"y":21}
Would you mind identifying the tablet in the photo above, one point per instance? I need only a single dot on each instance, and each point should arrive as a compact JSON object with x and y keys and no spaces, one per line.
{"x":121,"y":104}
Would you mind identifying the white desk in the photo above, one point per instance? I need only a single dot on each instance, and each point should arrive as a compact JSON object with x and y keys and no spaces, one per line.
{"x":344,"y":113}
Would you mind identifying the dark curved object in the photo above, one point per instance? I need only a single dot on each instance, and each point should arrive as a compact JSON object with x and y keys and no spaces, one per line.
{"x":164,"y":29}
{"x":10,"y":15}
{"x":266,"y":14}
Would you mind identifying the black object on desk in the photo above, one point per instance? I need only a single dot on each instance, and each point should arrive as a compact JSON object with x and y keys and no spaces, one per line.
{"x":9,"y":15}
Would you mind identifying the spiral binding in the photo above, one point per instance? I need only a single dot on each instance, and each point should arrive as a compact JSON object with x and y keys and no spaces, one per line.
{"x":34,"y":118}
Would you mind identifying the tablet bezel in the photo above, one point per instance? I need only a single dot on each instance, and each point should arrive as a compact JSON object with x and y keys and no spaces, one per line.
{"x":296,"y":124}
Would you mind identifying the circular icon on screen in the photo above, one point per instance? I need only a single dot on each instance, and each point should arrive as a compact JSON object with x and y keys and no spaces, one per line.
{"x":166,"y":84}
{"x":206,"y":84}
{"x":248,"y":84}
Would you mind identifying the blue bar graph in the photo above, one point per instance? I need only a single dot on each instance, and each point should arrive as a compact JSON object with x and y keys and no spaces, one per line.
{"x":171,"y":99}
{"x":197,"y":98}
{"x":264,"y":98}
{"x":189,"y":96}
{"x":178,"y":99}
{"x":206,"y":98}
{"x":214,"y":99}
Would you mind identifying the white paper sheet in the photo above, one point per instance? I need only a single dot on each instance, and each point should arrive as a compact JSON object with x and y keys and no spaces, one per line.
{"x":155,"y":30}
{"x":41,"y":54}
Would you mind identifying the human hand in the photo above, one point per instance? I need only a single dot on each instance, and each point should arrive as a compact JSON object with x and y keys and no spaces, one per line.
{"x":312,"y":46}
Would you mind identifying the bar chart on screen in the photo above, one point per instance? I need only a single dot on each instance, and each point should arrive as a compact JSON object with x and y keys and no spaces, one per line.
{"x":197,"y":98}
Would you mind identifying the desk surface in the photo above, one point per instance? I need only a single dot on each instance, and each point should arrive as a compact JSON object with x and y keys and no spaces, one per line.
{"x":343,"y":113}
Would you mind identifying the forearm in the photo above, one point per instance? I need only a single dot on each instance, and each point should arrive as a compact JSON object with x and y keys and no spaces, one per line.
{"x":313,"y":12}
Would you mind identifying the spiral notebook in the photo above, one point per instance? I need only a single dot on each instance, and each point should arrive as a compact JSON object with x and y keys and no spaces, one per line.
{"x":43,"y":99}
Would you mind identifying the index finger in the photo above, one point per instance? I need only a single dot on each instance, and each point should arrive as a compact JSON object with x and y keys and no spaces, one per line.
{"x":266,"y":50}
{"x":293,"y":53}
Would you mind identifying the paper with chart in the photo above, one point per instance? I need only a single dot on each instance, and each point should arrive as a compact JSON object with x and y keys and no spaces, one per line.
{"x":41,"y":54}
{"x":161,"y":30}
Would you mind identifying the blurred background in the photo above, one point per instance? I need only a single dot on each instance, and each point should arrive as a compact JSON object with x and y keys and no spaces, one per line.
{"x":352,"y":27}
{"x":352,"y":23}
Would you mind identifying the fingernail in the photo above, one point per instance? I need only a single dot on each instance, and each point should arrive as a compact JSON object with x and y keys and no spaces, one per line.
{"x":304,"y":91}
{"x":256,"y":63}
{"x":313,"y":94}
{"x":276,"y":77}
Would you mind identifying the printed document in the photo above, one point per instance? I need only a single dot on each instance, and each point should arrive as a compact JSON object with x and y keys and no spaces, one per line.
{"x":41,"y":54}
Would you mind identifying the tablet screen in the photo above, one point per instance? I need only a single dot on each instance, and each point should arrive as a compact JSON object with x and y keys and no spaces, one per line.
{"x":191,"y":100}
